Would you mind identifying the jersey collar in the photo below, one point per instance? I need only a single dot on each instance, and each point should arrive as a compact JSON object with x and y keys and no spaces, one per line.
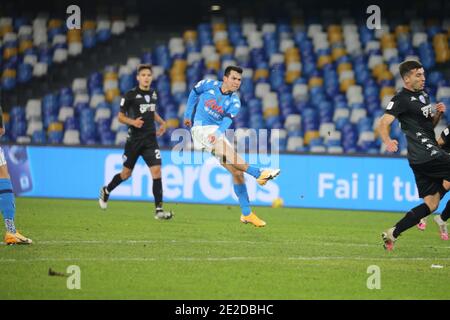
{"x":143,"y":91}
{"x":413,"y":92}
{"x":229,"y":93}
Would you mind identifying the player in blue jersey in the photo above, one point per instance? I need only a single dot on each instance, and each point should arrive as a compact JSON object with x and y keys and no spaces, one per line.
{"x":7,"y":203}
{"x":210,"y":110}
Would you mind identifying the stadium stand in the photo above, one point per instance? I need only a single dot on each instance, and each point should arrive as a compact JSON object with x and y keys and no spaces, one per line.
{"x":322,"y":84}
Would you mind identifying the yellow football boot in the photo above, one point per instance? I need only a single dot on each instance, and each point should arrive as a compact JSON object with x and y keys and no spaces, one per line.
{"x":16,"y":238}
{"x":266,"y":175}
{"x":253,"y":219}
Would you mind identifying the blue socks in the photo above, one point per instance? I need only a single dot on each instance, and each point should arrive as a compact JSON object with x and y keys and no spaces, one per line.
{"x":253,"y":171}
{"x":241,"y":193}
{"x":7,"y":205}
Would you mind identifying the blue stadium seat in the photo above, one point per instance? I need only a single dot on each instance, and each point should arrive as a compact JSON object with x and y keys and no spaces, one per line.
{"x":55,"y":137}
{"x":39,"y":137}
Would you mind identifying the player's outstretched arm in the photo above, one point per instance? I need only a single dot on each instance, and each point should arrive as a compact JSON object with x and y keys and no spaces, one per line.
{"x":383,"y":129}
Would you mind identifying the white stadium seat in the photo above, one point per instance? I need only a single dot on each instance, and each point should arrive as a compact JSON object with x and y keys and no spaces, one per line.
{"x":75,"y":48}
{"x":34,"y":126}
{"x":293,"y":122}
{"x":294,"y":142}
{"x":71,"y":137}
{"x":40,"y":69}
{"x":326,"y":128}
{"x":60,"y":55}
{"x":79,"y":85}
{"x":33,"y":108}
{"x":102,"y":113}
{"x":64,"y":113}
{"x":118,"y":27}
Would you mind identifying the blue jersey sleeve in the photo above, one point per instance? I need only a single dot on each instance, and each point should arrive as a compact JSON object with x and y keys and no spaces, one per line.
{"x":191,"y":102}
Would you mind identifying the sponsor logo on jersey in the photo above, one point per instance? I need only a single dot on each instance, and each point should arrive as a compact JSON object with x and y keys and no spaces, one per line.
{"x":212,"y":105}
{"x":426,"y":111}
{"x":422,"y":99}
{"x":144,"y":107}
{"x":138,"y":96}
{"x":413,"y":99}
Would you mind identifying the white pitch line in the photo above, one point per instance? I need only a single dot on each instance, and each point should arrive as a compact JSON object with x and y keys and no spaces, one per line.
{"x":187,"y":259}
{"x":371,"y":258}
{"x":183,"y":241}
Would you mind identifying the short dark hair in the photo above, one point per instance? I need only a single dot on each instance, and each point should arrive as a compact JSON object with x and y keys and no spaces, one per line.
{"x":232,"y":68}
{"x":144,"y":66}
{"x":406,"y":66}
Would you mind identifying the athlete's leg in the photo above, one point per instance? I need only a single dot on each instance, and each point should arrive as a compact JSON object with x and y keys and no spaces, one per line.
{"x":223,"y":148}
{"x":130,"y":156}
{"x":8,"y":207}
{"x":157,"y":186}
{"x":441,"y":219}
{"x":240,"y":190}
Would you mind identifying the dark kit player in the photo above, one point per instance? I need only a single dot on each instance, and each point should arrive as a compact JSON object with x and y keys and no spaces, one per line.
{"x":138,"y":111}
{"x":430,"y":164}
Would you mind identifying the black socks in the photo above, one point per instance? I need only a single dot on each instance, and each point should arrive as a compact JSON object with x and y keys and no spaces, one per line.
{"x":157,"y":188}
{"x":114,"y":183}
{"x":158,"y":192}
{"x":411,"y":219}
{"x":446,"y":213}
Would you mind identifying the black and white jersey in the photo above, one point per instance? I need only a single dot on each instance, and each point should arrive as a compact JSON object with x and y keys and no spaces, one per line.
{"x":139,"y":103}
{"x":415,"y":114}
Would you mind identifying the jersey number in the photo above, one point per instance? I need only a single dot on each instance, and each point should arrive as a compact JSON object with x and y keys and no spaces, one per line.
{"x":157,"y":154}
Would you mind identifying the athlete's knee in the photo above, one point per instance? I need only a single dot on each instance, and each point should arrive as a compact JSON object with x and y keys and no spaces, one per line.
{"x":125,"y":174}
{"x":446,"y":185}
{"x":238,"y":176}
{"x":4,"y":174}
{"x":156,"y":172}
{"x":432,"y":203}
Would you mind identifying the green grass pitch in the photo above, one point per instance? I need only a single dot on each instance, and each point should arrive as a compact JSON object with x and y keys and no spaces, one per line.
{"x":206,"y":253}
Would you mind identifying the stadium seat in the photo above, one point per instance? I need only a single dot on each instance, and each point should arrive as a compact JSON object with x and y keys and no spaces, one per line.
{"x":65,"y":112}
{"x":71,"y":137}
{"x":34,"y":126}
{"x":33,"y":109}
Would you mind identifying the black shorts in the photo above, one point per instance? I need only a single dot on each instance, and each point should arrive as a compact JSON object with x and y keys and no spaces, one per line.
{"x":430,"y":175}
{"x":147,"y":148}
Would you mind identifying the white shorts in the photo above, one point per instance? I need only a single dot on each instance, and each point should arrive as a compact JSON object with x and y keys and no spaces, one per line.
{"x":2,"y":158}
{"x":200,"y":136}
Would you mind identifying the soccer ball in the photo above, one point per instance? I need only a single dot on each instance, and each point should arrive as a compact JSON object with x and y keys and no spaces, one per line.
{"x":277,"y":203}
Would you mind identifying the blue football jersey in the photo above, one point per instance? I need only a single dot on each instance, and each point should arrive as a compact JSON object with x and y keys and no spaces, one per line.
{"x":208,"y":105}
